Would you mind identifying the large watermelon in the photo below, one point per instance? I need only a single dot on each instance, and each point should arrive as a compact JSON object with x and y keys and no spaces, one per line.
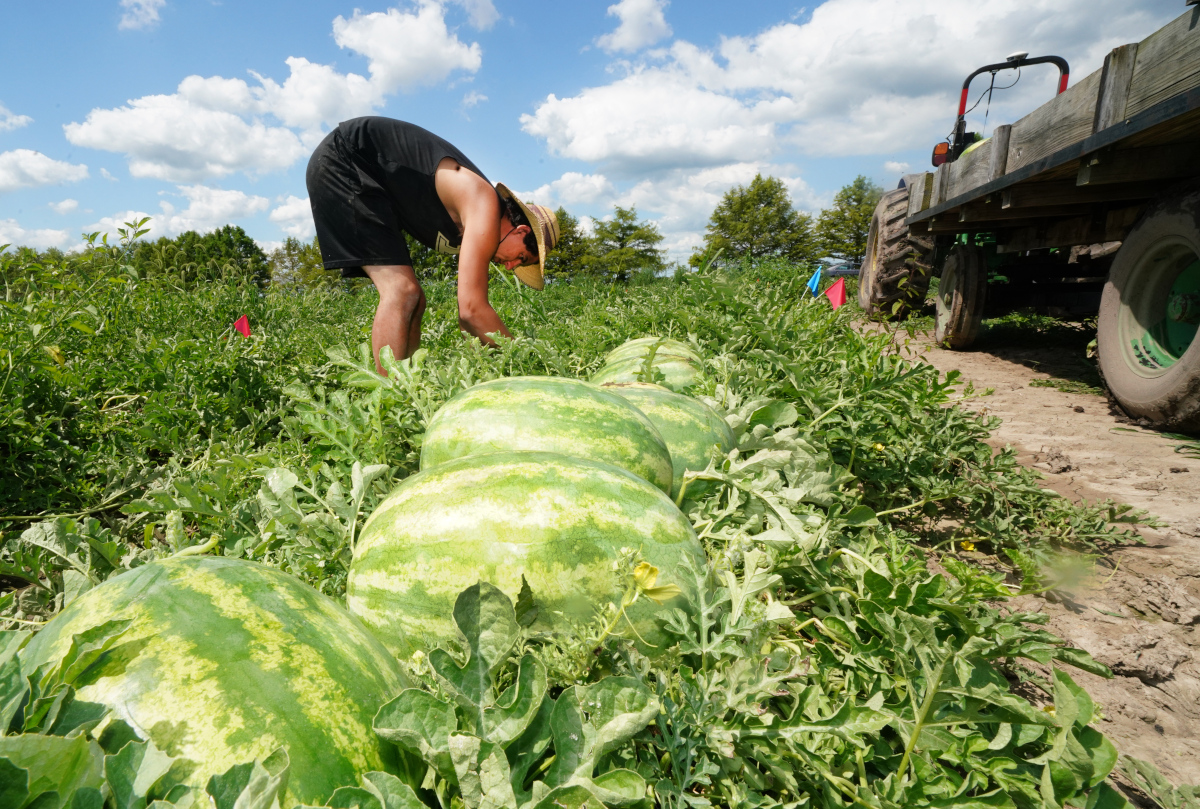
{"x":556,"y":520}
{"x":227,"y":660}
{"x":664,"y":347}
{"x":679,"y":373}
{"x":690,"y":427}
{"x":547,"y":414}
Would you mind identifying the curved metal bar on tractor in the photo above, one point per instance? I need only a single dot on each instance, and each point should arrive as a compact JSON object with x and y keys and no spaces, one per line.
{"x":1064,"y":71}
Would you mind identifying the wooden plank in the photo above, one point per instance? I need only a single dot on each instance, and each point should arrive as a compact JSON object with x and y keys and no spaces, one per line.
{"x":1168,"y":63}
{"x":1065,"y":120}
{"x":993,"y":213}
{"x":941,"y":181}
{"x":1113,"y":227}
{"x":1001,"y":139}
{"x":1068,"y":193}
{"x":1177,"y":161}
{"x":920,"y":191}
{"x":971,"y":170}
{"x":1115,"y":79}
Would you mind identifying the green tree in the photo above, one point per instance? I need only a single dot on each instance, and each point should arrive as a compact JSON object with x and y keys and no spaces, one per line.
{"x":757,"y":222}
{"x":227,"y":252}
{"x":567,"y":256}
{"x":842,"y":228}
{"x":623,"y":246}
{"x":299,"y":263}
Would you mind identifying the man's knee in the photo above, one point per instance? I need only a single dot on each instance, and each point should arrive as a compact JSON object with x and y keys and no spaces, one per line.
{"x":398,"y":289}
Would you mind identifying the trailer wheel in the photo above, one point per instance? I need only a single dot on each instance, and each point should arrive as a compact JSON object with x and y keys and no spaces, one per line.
{"x":896,"y":269}
{"x":960,"y":297}
{"x":1149,"y":315}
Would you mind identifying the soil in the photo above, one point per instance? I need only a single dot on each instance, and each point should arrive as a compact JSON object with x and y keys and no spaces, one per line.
{"x":1143,"y":620}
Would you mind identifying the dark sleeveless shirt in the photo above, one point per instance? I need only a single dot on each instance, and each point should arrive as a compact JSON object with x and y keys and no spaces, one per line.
{"x":401,"y":159}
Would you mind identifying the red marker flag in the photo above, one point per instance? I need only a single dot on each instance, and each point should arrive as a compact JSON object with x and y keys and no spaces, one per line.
{"x":837,"y":293}
{"x":242,"y":324}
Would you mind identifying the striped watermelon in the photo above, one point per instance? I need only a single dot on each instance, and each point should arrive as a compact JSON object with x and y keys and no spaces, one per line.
{"x":547,"y":414}
{"x":679,"y":373}
{"x":640,"y":347}
{"x":690,"y":427}
{"x":227,"y":660}
{"x":559,"y":521}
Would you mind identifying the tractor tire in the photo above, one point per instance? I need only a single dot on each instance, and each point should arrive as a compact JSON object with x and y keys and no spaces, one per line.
{"x":961,"y":295}
{"x":1150,"y":314}
{"x":896,"y":269}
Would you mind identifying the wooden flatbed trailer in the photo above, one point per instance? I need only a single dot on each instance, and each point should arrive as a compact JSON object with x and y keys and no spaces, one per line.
{"x":1091,"y":202}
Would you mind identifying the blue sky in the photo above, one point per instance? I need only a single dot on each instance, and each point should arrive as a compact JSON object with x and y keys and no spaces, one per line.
{"x":200,"y":112}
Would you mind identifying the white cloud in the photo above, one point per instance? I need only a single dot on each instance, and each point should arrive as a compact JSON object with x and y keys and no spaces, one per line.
{"x":10,"y":120}
{"x":106,"y":174}
{"x":895,"y":167}
{"x":24,"y":168}
{"x":473,"y":99}
{"x":171,"y":137}
{"x":407,"y":50}
{"x":208,"y":209}
{"x":66,"y":206}
{"x":211,"y":208}
{"x":13,"y":233}
{"x":574,"y":188}
{"x":481,"y":13}
{"x":654,"y":118}
{"x":140,"y":14}
{"x":642,"y":24}
{"x":860,"y":77}
{"x":214,"y":126}
{"x":294,"y":217}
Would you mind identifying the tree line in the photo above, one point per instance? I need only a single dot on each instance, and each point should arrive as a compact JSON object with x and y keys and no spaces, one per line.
{"x":754,"y":222}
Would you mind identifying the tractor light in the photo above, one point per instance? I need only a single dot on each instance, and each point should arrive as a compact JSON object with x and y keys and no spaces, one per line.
{"x":941,"y":153}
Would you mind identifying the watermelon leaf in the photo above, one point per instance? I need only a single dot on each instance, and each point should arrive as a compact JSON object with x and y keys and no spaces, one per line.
{"x":517,"y":706}
{"x":253,"y":785}
{"x":590,"y":720}
{"x":134,"y":771}
{"x":391,"y":791}
{"x":482,"y":772}
{"x":486,"y":619}
{"x":421,"y":724}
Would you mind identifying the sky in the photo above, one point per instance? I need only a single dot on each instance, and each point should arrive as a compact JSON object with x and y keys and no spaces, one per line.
{"x":201,"y":113}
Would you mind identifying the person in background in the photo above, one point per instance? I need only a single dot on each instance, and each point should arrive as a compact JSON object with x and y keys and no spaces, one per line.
{"x":373,"y":179}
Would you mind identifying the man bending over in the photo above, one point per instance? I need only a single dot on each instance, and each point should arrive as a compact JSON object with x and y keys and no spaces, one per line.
{"x":371,"y":180}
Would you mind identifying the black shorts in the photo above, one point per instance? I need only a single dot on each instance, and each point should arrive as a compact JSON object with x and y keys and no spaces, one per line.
{"x":356,"y":221}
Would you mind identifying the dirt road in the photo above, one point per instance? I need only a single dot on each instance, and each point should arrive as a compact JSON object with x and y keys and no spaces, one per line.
{"x":1144,"y":620}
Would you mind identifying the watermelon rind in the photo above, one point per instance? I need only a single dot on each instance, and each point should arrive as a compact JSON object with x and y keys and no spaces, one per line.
{"x":559,"y":521}
{"x":692,"y":429}
{"x":664,"y":347}
{"x":226,"y":660}
{"x":547,"y":414}
{"x":678,"y":374}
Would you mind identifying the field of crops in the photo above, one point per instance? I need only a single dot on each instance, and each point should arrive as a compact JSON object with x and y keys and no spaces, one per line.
{"x":184,"y":509}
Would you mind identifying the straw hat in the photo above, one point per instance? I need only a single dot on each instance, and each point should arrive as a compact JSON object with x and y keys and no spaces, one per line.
{"x":545,"y":230}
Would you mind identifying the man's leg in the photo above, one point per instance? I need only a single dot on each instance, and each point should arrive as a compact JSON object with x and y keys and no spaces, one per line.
{"x":398,"y":317}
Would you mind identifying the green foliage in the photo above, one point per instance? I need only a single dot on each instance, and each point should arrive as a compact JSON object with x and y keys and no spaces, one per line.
{"x":623,"y":247}
{"x":842,"y":228}
{"x":567,"y":256}
{"x":190,"y":258}
{"x":827,"y":666}
{"x":757,"y":222}
{"x":297,"y":263}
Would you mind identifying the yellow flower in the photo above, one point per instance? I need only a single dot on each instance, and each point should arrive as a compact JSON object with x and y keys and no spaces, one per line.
{"x":880,"y":447}
{"x":645,"y":575}
{"x":1048,"y":709}
{"x":967,"y":545}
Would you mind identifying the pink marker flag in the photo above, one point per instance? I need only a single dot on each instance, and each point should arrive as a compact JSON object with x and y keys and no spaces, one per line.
{"x":837,"y":293}
{"x":242,"y":324}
